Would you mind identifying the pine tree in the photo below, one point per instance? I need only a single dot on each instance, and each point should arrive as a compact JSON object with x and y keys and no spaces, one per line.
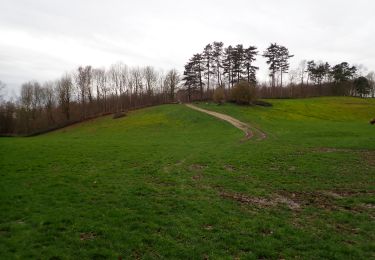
{"x":283,"y":63}
{"x":193,"y":75}
{"x":272,"y":55}
{"x":228,"y":64}
{"x":238,"y":59}
{"x":343,"y":72}
{"x":327,"y":72}
{"x":310,"y":70}
{"x":208,"y":56}
{"x":249,"y":58}
{"x":318,"y":72}
{"x":217,"y":60}
{"x":278,"y":59}
{"x":362,"y":86}
{"x":190,"y":79}
{"x":198,"y":68}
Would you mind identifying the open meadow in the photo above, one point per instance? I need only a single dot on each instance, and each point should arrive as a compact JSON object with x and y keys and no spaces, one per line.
{"x":172,"y":182}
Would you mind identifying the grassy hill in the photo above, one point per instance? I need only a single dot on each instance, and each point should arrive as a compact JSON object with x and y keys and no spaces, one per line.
{"x":172,"y":182}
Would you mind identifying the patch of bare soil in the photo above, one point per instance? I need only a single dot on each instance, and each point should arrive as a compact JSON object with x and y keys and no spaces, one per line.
{"x":197,"y":177}
{"x":327,"y":199}
{"x":316,"y":199}
{"x":180,"y":162}
{"x":369,"y":157}
{"x":333,"y":194}
{"x":87,"y":236}
{"x":347,"y":229}
{"x":169,"y":166}
{"x":208,"y":227}
{"x":247,"y":129}
{"x":229,"y":168}
{"x":368,"y":206}
{"x":197,"y":167}
{"x":297,"y":200}
{"x":262,"y":202}
{"x":330,"y":150}
{"x":353,"y":193}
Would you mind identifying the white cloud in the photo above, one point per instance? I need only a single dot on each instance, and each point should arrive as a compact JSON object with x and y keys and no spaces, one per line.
{"x":41,"y":39}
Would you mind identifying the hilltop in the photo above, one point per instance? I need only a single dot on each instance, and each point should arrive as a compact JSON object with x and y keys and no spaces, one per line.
{"x":172,"y":182}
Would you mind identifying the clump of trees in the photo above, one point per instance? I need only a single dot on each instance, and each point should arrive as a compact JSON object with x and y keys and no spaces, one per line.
{"x":219,"y":66}
{"x":219,"y":95}
{"x":85,"y":93}
{"x":218,"y":72}
{"x":226,"y":66}
{"x":243,"y":93}
{"x":362,"y":86}
{"x":278,"y":60}
{"x":371,"y":80}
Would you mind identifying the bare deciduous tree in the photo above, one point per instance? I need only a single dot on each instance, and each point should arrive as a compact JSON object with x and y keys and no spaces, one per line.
{"x":371,"y":79}
{"x":172,"y":80}
{"x":99,"y":81}
{"x":150,"y":77}
{"x":2,"y":87}
{"x":64,"y":88}
{"x":302,"y":70}
{"x":83,"y":80}
{"x":49,"y":99}
{"x":136,"y":82}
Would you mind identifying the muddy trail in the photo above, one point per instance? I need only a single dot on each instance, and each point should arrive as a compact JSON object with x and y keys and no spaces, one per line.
{"x":249,"y":130}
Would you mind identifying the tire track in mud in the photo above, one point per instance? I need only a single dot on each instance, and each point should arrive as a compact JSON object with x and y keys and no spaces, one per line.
{"x":249,"y":130}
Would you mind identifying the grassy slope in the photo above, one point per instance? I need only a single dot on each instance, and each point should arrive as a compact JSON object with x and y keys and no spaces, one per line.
{"x":151,"y":184}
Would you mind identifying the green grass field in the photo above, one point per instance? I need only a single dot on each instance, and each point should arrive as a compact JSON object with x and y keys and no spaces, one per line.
{"x":171,"y":182}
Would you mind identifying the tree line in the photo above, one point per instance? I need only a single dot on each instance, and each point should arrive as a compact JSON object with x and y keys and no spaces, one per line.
{"x":219,"y":66}
{"x":85,"y":93}
{"x":223,"y":67}
{"x":218,"y":72}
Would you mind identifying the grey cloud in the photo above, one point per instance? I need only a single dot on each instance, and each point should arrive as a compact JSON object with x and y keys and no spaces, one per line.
{"x":60,"y":35}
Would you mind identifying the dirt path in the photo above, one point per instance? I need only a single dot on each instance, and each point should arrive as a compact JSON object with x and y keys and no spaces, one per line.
{"x":249,"y":131}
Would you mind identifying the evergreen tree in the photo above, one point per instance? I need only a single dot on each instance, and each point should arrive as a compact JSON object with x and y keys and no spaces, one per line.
{"x":208,"y":56}
{"x":283,"y":62}
{"x":228,"y":64}
{"x":310,"y":70}
{"x":318,"y":72}
{"x":190,"y":79}
{"x":198,"y":67}
{"x":278,"y":59}
{"x":343,"y":72}
{"x":193,"y":75}
{"x":217,"y":60}
{"x":272,"y":55}
{"x":327,"y":72}
{"x":249,"y":58}
{"x":238,"y":60}
{"x":362,"y":86}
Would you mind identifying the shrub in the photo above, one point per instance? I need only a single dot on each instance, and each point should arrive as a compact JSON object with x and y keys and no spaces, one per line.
{"x":219,"y":95}
{"x":119,"y":115}
{"x":262,"y":103}
{"x":362,"y":86}
{"x":243,"y":93}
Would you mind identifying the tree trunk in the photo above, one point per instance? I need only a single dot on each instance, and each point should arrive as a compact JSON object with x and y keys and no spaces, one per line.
{"x":248,"y":75}
{"x":281,"y":77}
{"x":208,"y":77}
{"x":218,"y":77}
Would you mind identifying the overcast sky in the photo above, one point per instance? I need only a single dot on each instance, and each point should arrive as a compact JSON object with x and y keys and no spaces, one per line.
{"x":41,"y":39}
